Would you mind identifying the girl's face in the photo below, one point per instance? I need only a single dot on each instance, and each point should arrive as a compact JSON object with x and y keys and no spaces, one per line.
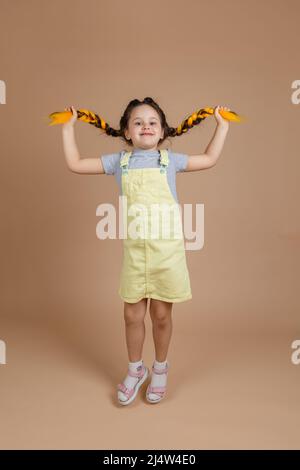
{"x":144,"y":128}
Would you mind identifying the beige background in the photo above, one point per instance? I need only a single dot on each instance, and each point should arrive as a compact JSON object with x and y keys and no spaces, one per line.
{"x":232,"y":383}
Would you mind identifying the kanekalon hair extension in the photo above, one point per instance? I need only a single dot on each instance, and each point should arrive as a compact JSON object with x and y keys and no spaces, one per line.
{"x":94,"y":119}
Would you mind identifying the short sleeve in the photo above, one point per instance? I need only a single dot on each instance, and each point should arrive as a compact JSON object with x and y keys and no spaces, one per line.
{"x":180,"y":161}
{"x":110,"y":162}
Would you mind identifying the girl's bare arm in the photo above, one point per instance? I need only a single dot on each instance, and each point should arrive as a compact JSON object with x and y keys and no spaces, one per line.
{"x":75,"y":162}
{"x":213,"y":151}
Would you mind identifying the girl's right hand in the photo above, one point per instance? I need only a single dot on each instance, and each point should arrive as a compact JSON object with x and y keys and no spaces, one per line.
{"x":73,"y":119}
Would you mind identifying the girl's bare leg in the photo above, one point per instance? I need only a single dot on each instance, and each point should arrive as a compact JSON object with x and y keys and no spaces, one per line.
{"x":134,"y":315}
{"x":161,"y":316}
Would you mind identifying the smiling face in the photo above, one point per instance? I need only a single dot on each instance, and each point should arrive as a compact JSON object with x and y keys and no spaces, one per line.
{"x":144,"y":128}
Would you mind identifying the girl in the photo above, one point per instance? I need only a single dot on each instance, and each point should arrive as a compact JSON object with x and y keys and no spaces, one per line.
{"x":156,"y":268}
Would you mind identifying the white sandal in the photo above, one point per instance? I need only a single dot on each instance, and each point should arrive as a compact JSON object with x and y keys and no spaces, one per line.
{"x":131,"y":393}
{"x":161,"y":391}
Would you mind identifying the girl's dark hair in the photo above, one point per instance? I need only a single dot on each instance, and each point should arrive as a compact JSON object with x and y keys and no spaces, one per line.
{"x":192,"y":120}
{"x":168,"y":131}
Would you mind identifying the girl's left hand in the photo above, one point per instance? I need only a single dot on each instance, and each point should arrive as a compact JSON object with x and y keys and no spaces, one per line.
{"x":218,"y":117}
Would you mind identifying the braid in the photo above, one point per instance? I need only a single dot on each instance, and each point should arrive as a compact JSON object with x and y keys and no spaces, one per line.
{"x":197,"y":117}
{"x":86,"y":116}
{"x":91,"y":118}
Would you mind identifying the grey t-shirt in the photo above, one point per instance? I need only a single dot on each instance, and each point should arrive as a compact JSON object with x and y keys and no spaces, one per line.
{"x":141,"y":158}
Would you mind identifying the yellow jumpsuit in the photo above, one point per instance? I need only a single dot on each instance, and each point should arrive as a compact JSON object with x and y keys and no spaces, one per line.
{"x":154,"y":264}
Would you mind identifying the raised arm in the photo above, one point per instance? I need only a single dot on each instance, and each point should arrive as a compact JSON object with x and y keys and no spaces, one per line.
{"x":213,"y":151}
{"x":75,"y":162}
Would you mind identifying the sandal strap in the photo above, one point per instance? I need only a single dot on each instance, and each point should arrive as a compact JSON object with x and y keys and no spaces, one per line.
{"x":160,"y":371}
{"x":139,"y":372}
{"x":156,"y":389}
{"x":127,"y":391}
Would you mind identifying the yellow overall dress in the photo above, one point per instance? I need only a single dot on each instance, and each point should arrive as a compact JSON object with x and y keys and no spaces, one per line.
{"x":154,"y":266}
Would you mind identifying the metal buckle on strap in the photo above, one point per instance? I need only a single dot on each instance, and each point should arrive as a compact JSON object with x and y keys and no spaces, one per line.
{"x":125,"y":162}
{"x":164,"y":160}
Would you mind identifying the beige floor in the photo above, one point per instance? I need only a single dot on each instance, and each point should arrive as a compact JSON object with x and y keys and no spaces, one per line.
{"x":229,"y":388}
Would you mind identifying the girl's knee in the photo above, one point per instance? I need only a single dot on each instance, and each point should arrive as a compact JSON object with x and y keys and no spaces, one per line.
{"x":135,"y":313}
{"x":160,"y":311}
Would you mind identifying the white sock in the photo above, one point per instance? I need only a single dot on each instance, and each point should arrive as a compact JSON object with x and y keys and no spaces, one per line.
{"x":129,"y":381}
{"x":158,"y":380}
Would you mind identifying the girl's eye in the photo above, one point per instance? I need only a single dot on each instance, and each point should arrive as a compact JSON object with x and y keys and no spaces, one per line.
{"x":150,"y":123}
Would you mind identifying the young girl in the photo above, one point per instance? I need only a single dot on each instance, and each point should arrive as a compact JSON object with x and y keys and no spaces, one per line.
{"x":155,"y":268}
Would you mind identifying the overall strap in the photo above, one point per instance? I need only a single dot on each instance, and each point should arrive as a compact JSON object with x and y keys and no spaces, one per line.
{"x":164,"y":161}
{"x":124,"y":162}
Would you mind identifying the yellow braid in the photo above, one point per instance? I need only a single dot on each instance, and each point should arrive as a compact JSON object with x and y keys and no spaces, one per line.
{"x":61,"y":117}
{"x":198,"y":116}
